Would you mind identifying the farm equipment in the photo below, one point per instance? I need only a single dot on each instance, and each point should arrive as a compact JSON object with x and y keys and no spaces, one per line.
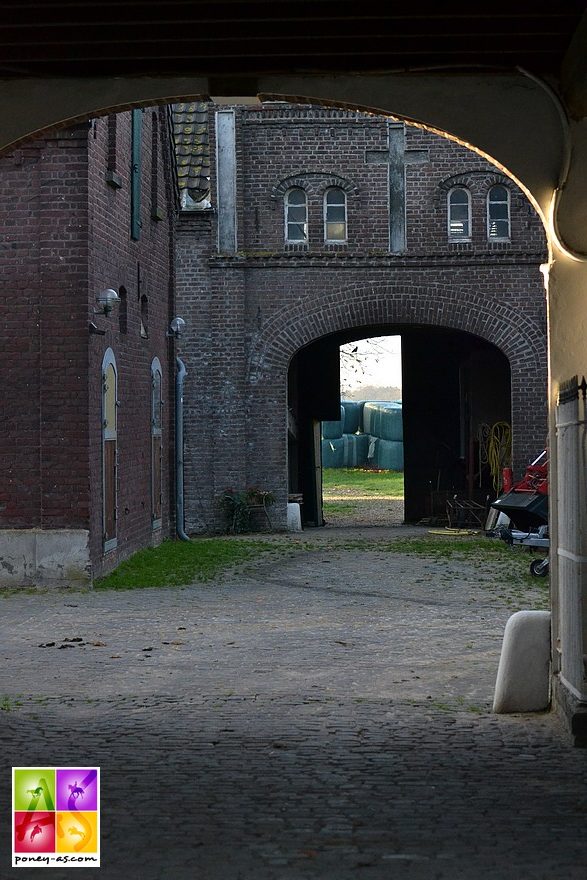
{"x":526,"y":508}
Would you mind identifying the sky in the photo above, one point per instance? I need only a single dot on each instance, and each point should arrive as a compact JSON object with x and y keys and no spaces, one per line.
{"x":380,"y":362}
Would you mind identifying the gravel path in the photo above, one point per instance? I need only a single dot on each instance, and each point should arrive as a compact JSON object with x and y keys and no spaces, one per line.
{"x":374,"y":512}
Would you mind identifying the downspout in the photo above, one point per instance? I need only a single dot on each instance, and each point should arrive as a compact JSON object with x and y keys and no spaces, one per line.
{"x":179,"y":499}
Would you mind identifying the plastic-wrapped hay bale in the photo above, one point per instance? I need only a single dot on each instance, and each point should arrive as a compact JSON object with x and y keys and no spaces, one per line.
{"x":356,"y":447}
{"x":369,"y":416}
{"x":392,"y":424}
{"x":362,"y":446}
{"x":383,"y":419}
{"x":333,"y":453}
{"x":353,"y":415}
{"x":389,"y":455}
{"x":333,"y":430}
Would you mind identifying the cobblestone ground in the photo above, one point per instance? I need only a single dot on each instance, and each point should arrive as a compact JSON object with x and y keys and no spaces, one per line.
{"x":325,"y":715}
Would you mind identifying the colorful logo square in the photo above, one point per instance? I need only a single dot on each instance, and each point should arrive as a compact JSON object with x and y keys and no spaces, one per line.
{"x":77,"y":789}
{"x":34,"y":788}
{"x":77,"y":832}
{"x":34,"y":832}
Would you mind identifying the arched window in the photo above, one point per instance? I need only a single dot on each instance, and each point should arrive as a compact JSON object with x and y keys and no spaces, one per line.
{"x":459,"y":213}
{"x":335,"y":224}
{"x":498,"y":213}
{"x":156,"y":443}
{"x":296,"y":216}
{"x":109,"y":440}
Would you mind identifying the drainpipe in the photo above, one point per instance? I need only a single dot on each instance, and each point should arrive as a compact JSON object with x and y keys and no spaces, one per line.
{"x":179,"y":501}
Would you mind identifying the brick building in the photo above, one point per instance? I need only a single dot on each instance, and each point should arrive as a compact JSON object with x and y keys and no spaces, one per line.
{"x":301,"y":228}
{"x":319,"y":226}
{"x":85,"y":448}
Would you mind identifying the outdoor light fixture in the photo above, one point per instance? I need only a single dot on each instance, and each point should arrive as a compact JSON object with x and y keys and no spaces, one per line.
{"x":107,"y":299}
{"x":176,"y":327}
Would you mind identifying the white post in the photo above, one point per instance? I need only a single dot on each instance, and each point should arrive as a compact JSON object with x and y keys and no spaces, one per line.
{"x":226,"y":180}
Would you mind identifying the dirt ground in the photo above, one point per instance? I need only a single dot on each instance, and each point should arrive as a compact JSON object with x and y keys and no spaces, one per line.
{"x":363,"y":511}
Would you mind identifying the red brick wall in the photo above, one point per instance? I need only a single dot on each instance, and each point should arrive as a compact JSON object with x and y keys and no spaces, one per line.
{"x":65,"y":236}
{"x":143,"y":267}
{"x":44,"y":479}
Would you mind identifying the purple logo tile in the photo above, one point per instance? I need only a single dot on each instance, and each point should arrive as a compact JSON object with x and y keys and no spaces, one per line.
{"x":77,"y":789}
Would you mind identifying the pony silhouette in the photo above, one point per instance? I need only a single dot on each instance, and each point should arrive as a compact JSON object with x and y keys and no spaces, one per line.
{"x":75,"y":790}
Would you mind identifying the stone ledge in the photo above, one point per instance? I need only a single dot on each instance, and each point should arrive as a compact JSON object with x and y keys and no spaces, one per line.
{"x":44,"y":558}
{"x":345,"y":258}
{"x":572,"y":712}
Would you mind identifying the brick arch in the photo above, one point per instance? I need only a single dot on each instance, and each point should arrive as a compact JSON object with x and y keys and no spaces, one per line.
{"x":302,"y":178}
{"x":517,"y":336}
{"x":475,"y":179}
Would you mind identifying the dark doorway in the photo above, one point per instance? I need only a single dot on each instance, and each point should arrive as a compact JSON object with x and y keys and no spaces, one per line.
{"x":454,"y":384}
{"x":313,"y":397}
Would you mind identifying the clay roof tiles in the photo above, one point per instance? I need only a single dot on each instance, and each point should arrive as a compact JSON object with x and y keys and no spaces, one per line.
{"x":192,"y":153}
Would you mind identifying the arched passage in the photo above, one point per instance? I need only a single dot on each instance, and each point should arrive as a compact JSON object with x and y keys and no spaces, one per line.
{"x":453,"y":384}
{"x":362,"y":306}
{"x":318,"y":328}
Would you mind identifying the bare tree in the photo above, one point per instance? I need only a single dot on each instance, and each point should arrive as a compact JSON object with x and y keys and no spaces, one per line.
{"x":357,"y":359}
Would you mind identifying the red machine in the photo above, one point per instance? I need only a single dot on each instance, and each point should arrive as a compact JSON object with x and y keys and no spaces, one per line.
{"x":526,"y":506}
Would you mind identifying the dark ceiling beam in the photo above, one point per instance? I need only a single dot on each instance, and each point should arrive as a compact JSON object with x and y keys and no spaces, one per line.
{"x":307,"y":10}
{"x":574,"y":72}
{"x":187,"y":37}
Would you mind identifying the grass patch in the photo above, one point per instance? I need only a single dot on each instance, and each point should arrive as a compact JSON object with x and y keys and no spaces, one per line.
{"x":178,"y":563}
{"x":448,"y":547}
{"x":333,"y":507}
{"x":9,"y":704}
{"x":340,"y":482}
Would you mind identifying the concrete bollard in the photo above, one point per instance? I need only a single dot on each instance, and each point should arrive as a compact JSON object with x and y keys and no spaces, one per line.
{"x":294,"y":519}
{"x":523,"y":675}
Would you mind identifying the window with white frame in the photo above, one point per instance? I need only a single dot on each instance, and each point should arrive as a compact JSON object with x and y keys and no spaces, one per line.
{"x":335,"y":221}
{"x":498,"y":213}
{"x":459,"y":213}
{"x":296,"y":216}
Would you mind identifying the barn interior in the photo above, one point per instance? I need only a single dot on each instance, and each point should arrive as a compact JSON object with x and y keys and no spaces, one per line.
{"x":453,"y":384}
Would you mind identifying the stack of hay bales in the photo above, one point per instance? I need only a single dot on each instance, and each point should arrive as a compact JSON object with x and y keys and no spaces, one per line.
{"x":368,"y":434}
{"x":333,"y":442}
{"x":382,"y":421}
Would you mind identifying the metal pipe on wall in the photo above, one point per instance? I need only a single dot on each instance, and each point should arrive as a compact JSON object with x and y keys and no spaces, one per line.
{"x":179,"y":496}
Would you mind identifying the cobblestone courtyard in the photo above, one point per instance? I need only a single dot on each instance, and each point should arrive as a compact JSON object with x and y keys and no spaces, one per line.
{"x":320,"y":715}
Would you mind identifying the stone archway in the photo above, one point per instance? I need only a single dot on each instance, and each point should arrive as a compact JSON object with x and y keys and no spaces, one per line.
{"x":358,"y":307}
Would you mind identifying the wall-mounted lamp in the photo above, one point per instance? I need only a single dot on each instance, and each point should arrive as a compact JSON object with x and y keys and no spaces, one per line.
{"x":106,"y":299}
{"x":176,"y":327}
